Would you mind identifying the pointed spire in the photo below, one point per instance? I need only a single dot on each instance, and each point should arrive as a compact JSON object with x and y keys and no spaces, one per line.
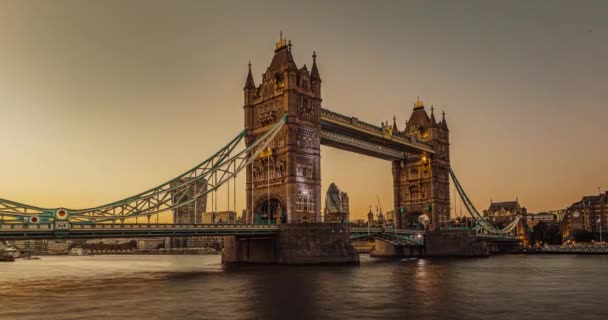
{"x":282,"y":42}
{"x":314,"y":72}
{"x":433,"y":121}
{"x":444,"y":124}
{"x":395,"y":124}
{"x":249,"y":84}
{"x":419,"y":103}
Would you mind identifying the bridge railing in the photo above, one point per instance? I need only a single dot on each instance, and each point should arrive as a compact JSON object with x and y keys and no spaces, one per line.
{"x":126,"y":226}
{"x":575,"y":248}
{"x":385,"y":230}
{"x":14,"y":226}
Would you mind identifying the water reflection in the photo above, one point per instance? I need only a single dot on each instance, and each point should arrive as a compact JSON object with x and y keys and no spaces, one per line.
{"x":199,"y":287}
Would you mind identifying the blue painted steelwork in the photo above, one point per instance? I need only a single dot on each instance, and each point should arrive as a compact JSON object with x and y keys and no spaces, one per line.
{"x":482,"y":224}
{"x":214,"y":172}
{"x":108,"y":230}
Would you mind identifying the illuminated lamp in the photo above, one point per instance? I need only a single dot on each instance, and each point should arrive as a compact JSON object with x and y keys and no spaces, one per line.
{"x":61,"y":214}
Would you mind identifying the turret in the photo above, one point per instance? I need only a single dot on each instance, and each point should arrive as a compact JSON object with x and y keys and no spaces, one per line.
{"x":419,"y":119}
{"x":395,"y":129}
{"x":250,"y":88}
{"x":370,"y":217}
{"x":444,"y":124}
{"x":433,"y":122}
{"x":249,"y":91}
{"x":315,"y":79}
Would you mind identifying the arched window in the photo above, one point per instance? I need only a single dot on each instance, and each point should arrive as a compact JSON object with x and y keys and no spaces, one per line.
{"x":414,"y":173}
{"x":415,"y":193}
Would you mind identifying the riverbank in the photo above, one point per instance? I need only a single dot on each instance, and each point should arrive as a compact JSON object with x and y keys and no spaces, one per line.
{"x":570,"y":249}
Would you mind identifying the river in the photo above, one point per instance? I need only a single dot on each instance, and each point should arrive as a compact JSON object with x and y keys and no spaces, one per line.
{"x":199,"y":287}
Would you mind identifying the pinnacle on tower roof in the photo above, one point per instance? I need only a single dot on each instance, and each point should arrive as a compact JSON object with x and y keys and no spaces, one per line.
{"x":282,"y":42}
{"x":444,"y":124}
{"x":395,"y":124}
{"x":419,"y":103}
{"x":282,"y":59}
{"x":314,"y":72}
{"x":433,"y":121}
{"x":249,"y":83}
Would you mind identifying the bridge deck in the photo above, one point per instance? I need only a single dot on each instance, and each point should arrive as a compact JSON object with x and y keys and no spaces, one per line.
{"x":349,"y":133}
{"x":107,"y":230}
{"x":110,"y":230}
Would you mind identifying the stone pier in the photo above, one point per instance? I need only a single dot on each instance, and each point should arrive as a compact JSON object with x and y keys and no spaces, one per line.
{"x":252,"y":249}
{"x":454,"y":244}
{"x":442,"y":244}
{"x":305,"y":243}
{"x":386,"y":250}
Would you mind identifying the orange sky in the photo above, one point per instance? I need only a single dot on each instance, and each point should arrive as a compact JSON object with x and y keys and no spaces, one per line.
{"x":101,"y":100}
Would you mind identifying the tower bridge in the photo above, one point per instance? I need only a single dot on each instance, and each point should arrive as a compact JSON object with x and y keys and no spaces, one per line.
{"x":419,"y":153}
{"x":285,"y":125}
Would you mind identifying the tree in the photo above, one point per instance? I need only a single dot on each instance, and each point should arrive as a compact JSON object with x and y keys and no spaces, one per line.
{"x":582,"y":236}
{"x":553,"y":234}
{"x":538,"y":233}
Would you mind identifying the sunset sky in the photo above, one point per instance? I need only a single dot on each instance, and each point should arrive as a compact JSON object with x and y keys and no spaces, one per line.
{"x":101,"y":100}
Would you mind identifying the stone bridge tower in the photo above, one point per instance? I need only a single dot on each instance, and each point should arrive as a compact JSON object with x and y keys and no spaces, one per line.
{"x":421,"y":182}
{"x":284,"y":183}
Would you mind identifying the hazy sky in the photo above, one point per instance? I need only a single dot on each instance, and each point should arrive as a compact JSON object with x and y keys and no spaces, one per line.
{"x":102,"y":99}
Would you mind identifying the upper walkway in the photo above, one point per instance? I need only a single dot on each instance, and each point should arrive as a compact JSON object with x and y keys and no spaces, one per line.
{"x":351,"y":134}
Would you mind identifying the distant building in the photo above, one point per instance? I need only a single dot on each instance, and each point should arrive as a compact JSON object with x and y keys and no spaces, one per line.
{"x":502,"y":213}
{"x":359,"y":223}
{"x":58,"y":246}
{"x":589,"y":214}
{"x":381,"y":220}
{"x":336,"y":205}
{"x":190,"y":212}
{"x":192,"y":209}
{"x":30,"y":246}
{"x":560,"y":213}
{"x":150,"y":244}
{"x":220,"y":217}
{"x":389,"y":216}
{"x":532,"y":219}
{"x":215,"y":242}
{"x":370,"y":218}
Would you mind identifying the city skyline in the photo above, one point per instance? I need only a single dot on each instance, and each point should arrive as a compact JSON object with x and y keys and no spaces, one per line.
{"x":96,"y":111}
